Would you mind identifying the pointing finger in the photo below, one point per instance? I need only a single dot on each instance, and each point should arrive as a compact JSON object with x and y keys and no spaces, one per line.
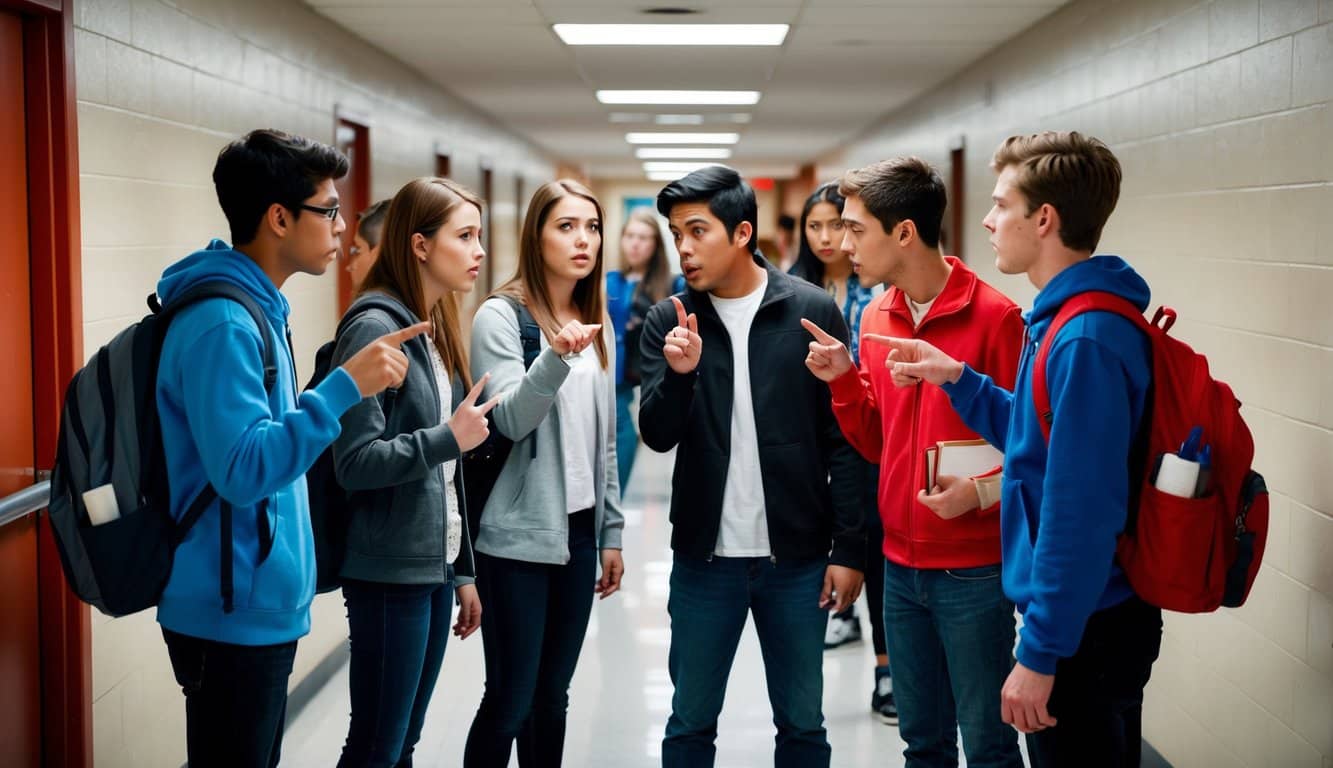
{"x":891,"y":342}
{"x":489,"y":404}
{"x":680,"y":311}
{"x":819,"y":333}
{"x":472,"y":396}
{"x":411,"y":332}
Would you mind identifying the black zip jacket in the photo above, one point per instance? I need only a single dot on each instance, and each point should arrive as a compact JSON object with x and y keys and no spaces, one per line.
{"x":810,"y":473}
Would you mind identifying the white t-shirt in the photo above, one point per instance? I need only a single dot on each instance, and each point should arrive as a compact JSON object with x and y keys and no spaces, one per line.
{"x":918,"y":310}
{"x":577,"y":402}
{"x":744,"y":528}
{"x":454,"y":520}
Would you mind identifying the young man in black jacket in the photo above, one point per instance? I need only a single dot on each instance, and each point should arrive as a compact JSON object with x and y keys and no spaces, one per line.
{"x":757,"y":526}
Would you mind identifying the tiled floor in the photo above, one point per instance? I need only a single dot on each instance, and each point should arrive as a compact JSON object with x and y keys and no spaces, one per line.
{"x":621,"y":693}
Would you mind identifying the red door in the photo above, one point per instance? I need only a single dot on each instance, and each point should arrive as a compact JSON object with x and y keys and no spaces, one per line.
{"x":20,"y":643}
{"x":352,"y":139}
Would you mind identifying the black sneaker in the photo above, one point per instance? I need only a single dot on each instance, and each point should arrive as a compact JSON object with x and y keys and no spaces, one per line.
{"x":842,"y":631}
{"x":881,"y":699}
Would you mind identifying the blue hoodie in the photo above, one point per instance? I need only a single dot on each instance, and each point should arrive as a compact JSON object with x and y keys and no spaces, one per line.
{"x":1061,"y":510}
{"x":219,"y":426}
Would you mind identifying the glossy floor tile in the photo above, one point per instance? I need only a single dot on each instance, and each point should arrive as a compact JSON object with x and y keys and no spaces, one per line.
{"x":621,"y":694}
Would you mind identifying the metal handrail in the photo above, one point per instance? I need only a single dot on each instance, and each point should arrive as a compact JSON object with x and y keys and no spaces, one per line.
{"x":25,"y":502}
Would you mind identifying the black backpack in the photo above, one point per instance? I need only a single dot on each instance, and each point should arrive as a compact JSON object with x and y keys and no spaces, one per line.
{"x":330,"y":503}
{"x":482,"y":465}
{"x":110,"y":434}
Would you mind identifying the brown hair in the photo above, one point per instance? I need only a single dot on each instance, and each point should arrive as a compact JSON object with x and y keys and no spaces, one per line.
{"x":656,"y":284}
{"x":422,"y":207}
{"x":528,"y":284}
{"x":900,"y":189}
{"x":370,"y":222}
{"x":1076,"y":175}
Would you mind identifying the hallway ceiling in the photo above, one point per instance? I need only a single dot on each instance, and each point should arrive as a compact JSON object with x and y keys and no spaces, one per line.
{"x":843,"y":64}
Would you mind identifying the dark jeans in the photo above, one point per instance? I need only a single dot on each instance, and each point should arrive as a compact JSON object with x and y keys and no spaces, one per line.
{"x":235,"y":699}
{"x":1098,"y":694}
{"x":533,"y":621}
{"x":874,"y":583}
{"x":709,"y":603}
{"x":398,"y":635}
{"x":627,"y":440}
{"x":951,"y":645}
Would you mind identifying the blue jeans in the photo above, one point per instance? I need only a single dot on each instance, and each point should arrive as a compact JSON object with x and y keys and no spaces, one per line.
{"x":398,"y":635}
{"x":235,"y":699}
{"x":533,"y":621}
{"x":950,"y":635}
{"x":709,"y":602}
{"x":627,"y":440}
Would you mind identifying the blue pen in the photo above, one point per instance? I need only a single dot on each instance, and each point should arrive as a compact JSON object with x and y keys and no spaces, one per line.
{"x":1189,"y":450}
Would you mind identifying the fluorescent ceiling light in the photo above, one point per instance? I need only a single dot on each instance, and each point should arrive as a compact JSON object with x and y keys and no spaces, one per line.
{"x":679,"y":120}
{"x":665,"y":167}
{"x":679,"y":97}
{"x":665,"y":176}
{"x":631,"y":117}
{"x":682,"y":138}
{"x":682,"y":153}
{"x":671,"y":34}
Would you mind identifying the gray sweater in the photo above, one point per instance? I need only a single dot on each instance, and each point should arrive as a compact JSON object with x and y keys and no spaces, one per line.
{"x":390,"y":462}
{"x":525,"y":517}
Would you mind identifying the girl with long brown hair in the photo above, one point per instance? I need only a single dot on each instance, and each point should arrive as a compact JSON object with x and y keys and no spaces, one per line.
{"x":556,"y":502}
{"x":408,"y":548}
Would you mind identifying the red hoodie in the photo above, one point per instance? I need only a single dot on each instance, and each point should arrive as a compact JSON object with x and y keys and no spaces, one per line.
{"x":972,"y":322}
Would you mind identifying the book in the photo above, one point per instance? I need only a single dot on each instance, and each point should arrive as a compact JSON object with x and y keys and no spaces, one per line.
{"x":960,"y":458}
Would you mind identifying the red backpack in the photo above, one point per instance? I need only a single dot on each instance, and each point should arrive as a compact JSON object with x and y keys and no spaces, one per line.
{"x":1188,"y":555}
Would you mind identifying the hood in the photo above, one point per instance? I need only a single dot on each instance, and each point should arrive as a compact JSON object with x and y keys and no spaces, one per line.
{"x":219,"y":261}
{"x":1109,"y":274}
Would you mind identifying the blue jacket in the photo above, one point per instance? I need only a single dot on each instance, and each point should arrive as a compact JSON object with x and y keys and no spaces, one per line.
{"x":219,"y":426}
{"x":1061,"y":509}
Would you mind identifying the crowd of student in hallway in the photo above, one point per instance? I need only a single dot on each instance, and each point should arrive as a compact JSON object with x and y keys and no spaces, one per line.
{"x":801,"y":404}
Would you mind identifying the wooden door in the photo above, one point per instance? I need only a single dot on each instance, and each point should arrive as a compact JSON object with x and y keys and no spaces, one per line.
{"x":20,"y":639}
{"x":352,"y":138}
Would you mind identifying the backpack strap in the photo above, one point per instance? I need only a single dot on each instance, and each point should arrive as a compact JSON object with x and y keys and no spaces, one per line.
{"x":387,"y":305}
{"x":221,"y":289}
{"x":1092,"y":301}
{"x":530,"y":334}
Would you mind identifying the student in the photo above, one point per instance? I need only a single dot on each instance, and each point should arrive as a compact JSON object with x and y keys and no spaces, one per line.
{"x":232,"y":640}
{"x":556,"y":502}
{"x":644,"y":279}
{"x":408,"y":548}
{"x":822,"y":261}
{"x":757,"y":527}
{"x":366,"y":243}
{"x":950,"y":629}
{"x":1088,"y":643}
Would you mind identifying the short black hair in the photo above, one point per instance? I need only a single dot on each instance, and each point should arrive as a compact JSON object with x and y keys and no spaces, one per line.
{"x":268,"y":166}
{"x":729,"y":198}
{"x":787,"y":222}
{"x":899,"y":189}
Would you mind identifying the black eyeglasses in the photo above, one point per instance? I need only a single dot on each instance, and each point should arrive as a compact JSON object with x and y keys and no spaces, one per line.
{"x":329,"y":213}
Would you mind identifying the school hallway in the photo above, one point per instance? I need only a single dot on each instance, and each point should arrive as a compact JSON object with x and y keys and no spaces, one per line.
{"x":621,"y":695}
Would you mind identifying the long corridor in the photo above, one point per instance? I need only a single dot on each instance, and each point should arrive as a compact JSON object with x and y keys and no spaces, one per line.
{"x":621,"y":694}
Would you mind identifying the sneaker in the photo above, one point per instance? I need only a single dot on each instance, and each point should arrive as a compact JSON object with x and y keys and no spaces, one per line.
{"x":841,"y":632}
{"x":881,"y":699}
